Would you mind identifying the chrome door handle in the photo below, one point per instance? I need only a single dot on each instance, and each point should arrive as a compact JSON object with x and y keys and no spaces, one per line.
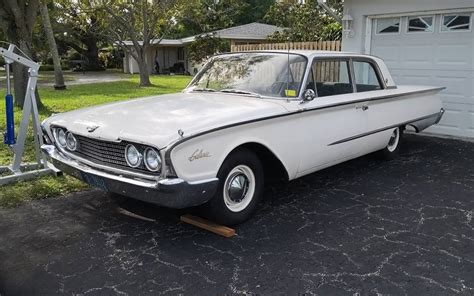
{"x":363,"y":107}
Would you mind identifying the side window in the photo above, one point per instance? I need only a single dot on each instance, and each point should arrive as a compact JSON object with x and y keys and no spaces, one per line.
{"x":331,"y":78}
{"x":366,"y":77}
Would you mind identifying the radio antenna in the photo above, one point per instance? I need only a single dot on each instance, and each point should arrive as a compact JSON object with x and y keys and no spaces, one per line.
{"x":287,"y":91}
{"x":288,"y":68}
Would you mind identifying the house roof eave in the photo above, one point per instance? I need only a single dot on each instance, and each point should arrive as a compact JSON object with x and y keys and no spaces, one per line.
{"x":262,"y":30}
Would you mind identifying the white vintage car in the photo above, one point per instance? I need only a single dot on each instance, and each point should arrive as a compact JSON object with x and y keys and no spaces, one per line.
{"x":243,"y":118}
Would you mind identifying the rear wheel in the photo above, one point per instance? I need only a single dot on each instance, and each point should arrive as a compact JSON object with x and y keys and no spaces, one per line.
{"x":239,"y":191}
{"x":393,"y":146}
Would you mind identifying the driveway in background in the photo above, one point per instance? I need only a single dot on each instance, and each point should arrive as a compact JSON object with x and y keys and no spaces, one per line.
{"x":77,"y":78}
{"x":367,"y":226}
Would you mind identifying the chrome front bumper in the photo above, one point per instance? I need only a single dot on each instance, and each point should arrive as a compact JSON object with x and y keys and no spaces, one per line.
{"x":171,"y":192}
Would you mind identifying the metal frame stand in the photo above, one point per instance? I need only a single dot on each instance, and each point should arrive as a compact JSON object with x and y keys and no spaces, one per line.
{"x":18,"y":171}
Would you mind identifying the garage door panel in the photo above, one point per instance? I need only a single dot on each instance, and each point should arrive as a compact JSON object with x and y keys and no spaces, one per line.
{"x":439,"y":130}
{"x":471,"y":118}
{"x":417,"y":55}
{"x":391,"y":53}
{"x":411,"y":77}
{"x":457,"y":84}
{"x":454,"y":56}
{"x":437,"y":59}
{"x":457,"y":120}
{"x":453,"y":123}
{"x":453,"y":116}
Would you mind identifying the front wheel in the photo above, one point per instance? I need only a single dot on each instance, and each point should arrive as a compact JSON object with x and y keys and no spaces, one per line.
{"x":393,"y":146}
{"x":239,"y":191}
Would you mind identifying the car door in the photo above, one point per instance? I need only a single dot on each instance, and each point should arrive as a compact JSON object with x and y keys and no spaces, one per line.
{"x":331,"y":122}
{"x":369,"y":83}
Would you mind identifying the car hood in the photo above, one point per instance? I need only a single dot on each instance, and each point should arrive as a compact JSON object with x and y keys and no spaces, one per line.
{"x":156,"y":120}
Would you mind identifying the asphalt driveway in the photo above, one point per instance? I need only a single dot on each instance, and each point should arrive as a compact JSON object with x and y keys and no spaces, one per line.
{"x":367,"y":226}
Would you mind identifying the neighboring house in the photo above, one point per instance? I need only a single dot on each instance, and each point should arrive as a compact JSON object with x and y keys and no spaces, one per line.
{"x":429,"y":42}
{"x":171,"y":53}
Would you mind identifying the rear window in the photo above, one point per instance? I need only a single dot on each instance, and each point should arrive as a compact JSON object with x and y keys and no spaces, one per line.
{"x":366,"y":78}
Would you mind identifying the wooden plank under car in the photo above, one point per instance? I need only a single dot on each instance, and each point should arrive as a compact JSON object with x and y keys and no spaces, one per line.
{"x":208,"y":225}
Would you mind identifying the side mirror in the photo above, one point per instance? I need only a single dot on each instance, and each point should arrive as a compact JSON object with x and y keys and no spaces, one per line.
{"x":309,"y":95}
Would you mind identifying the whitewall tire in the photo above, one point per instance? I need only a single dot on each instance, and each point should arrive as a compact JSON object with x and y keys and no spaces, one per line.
{"x":239,"y":191}
{"x":393,"y":145}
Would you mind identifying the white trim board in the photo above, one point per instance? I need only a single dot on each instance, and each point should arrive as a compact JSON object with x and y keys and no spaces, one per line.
{"x":368,"y":35}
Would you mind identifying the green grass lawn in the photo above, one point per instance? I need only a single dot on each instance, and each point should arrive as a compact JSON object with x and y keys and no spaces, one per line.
{"x":74,"y":97}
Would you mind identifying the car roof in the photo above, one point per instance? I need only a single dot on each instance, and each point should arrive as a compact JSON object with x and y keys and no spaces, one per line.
{"x":309,"y":53}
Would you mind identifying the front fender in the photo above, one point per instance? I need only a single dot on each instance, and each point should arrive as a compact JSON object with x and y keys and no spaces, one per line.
{"x":201,"y":157}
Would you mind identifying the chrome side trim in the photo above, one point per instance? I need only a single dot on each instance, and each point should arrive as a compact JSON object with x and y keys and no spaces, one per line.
{"x":425,"y":120}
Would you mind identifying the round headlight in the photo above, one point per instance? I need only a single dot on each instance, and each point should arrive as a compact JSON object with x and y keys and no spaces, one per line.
{"x":61,"y":135}
{"x":133,"y":156}
{"x":71,"y":141}
{"x":152,"y":160}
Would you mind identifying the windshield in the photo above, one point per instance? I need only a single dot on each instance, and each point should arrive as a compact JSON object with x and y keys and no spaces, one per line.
{"x":261,"y":74}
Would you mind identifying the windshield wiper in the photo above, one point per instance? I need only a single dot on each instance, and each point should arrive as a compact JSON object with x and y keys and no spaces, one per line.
{"x":238,"y":91}
{"x":205,"y":89}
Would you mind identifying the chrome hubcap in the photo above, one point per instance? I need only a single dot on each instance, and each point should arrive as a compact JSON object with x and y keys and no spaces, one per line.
{"x":239,"y":188}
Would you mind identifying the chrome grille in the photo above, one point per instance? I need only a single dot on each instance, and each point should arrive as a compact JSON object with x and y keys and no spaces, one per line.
{"x":106,"y":153}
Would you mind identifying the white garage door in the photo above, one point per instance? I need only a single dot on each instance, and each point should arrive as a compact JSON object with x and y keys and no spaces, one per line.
{"x":433,"y":49}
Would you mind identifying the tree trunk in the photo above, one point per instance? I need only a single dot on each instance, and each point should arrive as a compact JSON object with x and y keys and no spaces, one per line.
{"x":143,"y":69}
{"x":58,"y":72}
{"x":20,"y":72}
{"x":92,"y":53}
{"x":144,"y":74}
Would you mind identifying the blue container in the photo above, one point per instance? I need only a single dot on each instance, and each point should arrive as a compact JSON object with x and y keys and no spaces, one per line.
{"x":9,"y":137}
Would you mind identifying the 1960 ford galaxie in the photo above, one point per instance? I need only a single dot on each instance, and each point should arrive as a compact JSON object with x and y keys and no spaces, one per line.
{"x":243,"y":118}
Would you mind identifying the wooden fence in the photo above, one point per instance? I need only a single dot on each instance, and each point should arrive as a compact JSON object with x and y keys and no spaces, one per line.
{"x":314,"y":45}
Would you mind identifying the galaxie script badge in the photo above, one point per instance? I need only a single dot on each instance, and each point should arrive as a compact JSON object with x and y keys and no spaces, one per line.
{"x":198,"y":154}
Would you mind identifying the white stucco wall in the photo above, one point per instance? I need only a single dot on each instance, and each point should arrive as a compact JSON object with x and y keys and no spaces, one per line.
{"x":130,"y":65}
{"x":360,"y":9}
